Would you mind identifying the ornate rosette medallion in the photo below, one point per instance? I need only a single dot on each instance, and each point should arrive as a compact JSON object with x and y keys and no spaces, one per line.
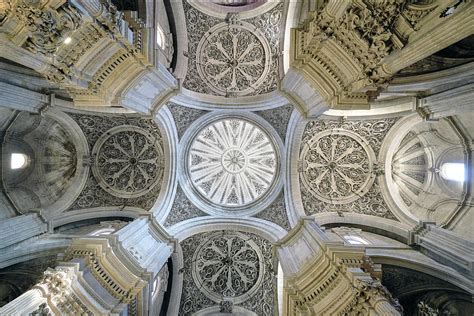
{"x":336,"y":166}
{"x":233,"y":59}
{"x":228,"y":265}
{"x":128,"y":161}
{"x":232,"y":162}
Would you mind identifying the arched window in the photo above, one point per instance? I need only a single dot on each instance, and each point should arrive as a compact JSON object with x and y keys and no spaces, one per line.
{"x":160,"y":37}
{"x":355,"y":240}
{"x":18,"y":161}
{"x":454,"y":171}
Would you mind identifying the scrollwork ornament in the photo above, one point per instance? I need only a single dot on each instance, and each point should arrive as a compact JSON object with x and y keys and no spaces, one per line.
{"x":232,"y":59}
{"x":337,"y":166}
{"x":46,"y":27}
{"x":128,"y":161}
{"x":228,"y":265}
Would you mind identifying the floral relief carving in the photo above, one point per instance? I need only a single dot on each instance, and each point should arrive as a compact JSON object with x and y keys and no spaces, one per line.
{"x":95,"y":128}
{"x":211,"y":277}
{"x":232,"y":60}
{"x":232,"y":57}
{"x":229,"y":266}
{"x":128,"y":161}
{"x":338,"y":167}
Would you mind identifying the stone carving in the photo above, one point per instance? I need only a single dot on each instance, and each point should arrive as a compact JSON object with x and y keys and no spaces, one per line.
{"x":46,"y":27}
{"x":43,"y":310}
{"x":361,"y":141}
{"x":228,"y":265}
{"x":184,"y":116}
{"x":244,"y":249}
{"x":227,"y":307}
{"x":95,"y":127}
{"x":128,"y":161}
{"x":232,"y":57}
{"x":278,"y":118}
{"x":276,"y":212}
{"x":410,"y":168}
{"x":367,"y":293}
{"x":232,"y":60}
{"x":337,"y":166}
{"x":182,"y":209}
{"x":58,"y":281}
{"x":232,"y":162}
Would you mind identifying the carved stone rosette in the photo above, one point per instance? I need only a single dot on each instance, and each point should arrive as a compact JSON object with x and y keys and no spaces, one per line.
{"x":229,"y":266}
{"x":233,"y":59}
{"x":128,"y":161}
{"x":337,"y":166}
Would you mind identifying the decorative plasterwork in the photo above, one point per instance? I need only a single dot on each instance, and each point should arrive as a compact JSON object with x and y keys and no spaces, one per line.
{"x":110,"y":140}
{"x":410,"y":168}
{"x":338,"y":166}
{"x":342,"y":48}
{"x":128,"y":161}
{"x":184,"y":116}
{"x":222,"y":254}
{"x":182,"y":209}
{"x":278,"y":118}
{"x":228,"y":266}
{"x":232,"y":57}
{"x":232,"y":162}
{"x":276,"y":212}
{"x":232,"y":60}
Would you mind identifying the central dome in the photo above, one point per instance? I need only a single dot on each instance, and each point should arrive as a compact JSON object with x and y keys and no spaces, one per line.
{"x":232,"y":162}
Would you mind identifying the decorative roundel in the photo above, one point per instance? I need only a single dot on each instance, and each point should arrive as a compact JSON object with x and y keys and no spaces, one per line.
{"x":233,"y":59}
{"x":128,"y":161}
{"x":337,"y":166}
{"x":232,"y":162}
{"x":228,"y":265}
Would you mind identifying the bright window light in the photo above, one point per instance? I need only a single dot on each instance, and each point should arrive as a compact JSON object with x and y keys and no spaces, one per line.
{"x":453,"y":171}
{"x":103,"y":232}
{"x":160,"y":37}
{"x":355,"y":240}
{"x":18,"y":161}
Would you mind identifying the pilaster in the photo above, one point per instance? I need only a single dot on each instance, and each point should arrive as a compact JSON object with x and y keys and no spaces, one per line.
{"x":322,"y":277}
{"x":103,"y":275}
{"x":16,"y":229}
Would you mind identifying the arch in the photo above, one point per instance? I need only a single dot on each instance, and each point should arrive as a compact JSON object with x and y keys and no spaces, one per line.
{"x":247,"y":11}
{"x":389,"y":146}
{"x":96,"y":213}
{"x":169,"y":133}
{"x":418,"y":262}
{"x":265,"y":229}
{"x":293,"y":200}
{"x":378,"y":225}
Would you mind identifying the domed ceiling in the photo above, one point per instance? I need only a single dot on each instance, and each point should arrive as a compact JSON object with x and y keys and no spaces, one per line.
{"x":232,"y":56}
